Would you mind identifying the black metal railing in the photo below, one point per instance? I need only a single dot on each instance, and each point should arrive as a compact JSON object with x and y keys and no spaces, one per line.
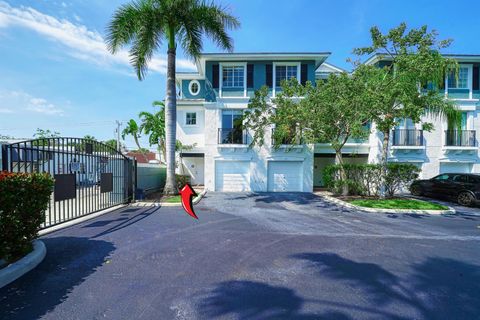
{"x":407,"y":137}
{"x":288,"y":140}
{"x":460,"y":138}
{"x":232,"y":136}
{"x":89,"y":176}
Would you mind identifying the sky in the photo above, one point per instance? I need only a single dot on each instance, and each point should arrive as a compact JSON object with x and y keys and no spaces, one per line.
{"x":56,"y":74}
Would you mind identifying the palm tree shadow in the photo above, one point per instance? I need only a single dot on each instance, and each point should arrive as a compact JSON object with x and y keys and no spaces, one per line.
{"x":436,"y":288}
{"x":69,"y":261}
{"x":255,"y":300}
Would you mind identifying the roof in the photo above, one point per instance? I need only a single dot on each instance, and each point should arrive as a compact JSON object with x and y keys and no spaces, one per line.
{"x":374,"y":58}
{"x":318,"y":57}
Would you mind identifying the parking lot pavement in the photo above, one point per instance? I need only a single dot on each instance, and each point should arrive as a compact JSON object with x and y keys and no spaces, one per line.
{"x":473,"y":210}
{"x":255,"y":256}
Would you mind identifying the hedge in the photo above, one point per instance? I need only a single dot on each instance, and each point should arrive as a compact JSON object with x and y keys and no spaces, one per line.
{"x":367,"y":179}
{"x":24,"y":197}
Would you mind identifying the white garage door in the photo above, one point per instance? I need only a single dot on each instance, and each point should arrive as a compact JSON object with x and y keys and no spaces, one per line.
{"x":232,"y":176}
{"x":455,"y":167}
{"x":285,"y":176}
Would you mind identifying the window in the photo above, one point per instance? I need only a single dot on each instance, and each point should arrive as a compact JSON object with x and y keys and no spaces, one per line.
{"x":460,"y":178}
{"x":462,"y":82}
{"x":442,"y":177}
{"x":285,"y":73}
{"x":474,"y":179}
{"x":233,"y":76}
{"x":191,"y":118}
{"x":194,"y":87}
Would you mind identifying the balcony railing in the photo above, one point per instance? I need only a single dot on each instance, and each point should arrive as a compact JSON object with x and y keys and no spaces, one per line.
{"x":460,"y":138}
{"x":232,"y":136}
{"x":408,"y":137}
{"x":287,"y":140}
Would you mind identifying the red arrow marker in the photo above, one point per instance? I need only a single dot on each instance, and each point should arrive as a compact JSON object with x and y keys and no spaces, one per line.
{"x":187,"y":194}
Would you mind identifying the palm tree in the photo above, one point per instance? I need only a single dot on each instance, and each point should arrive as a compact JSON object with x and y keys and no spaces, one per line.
{"x":132,"y":129}
{"x":147,"y":24}
{"x":153,"y":124}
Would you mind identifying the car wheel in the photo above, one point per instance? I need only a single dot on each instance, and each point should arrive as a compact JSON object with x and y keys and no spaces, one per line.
{"x":465,"y":199}
{"x":416,"y":190}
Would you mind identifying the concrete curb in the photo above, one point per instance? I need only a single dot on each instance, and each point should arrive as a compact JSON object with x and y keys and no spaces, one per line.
{"x":167,"y":204}
{"x":378,"y":210}
{"x":17,"y":269}
{"x":199,"y":197}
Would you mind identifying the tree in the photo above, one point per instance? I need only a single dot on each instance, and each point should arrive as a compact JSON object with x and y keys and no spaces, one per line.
{"x":112,"y":143}
{"x":396,"y":89}
{"x":89,"y":137}
{"x":45,"y":134}
{"x":132,"y":129}
{"x":330,"y":112}
{"x":146,"y":24}
{"x":153,"y":124}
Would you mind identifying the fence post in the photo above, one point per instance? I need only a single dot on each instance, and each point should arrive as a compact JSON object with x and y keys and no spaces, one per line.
{"x":4,"y":157}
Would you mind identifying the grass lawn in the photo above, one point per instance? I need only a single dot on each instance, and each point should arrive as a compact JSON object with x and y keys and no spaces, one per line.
{"x":398,"y":204}
{"x":172,"y":199}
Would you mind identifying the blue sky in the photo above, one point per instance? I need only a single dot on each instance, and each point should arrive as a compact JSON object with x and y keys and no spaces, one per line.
{"x":56,"y":74}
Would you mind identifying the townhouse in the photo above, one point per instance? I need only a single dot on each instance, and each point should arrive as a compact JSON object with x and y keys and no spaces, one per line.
{"x":212,"y":100}
{"x":444,"y":149}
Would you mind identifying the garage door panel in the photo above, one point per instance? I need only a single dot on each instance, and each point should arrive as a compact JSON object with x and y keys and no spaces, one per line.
{"x":455,"y":167}
{"x":232,"y":176}
{"x":285,"y":176}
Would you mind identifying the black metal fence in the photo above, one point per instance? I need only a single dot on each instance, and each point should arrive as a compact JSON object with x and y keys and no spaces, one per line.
{"x":89,"y":175}
{"x":460,"y":138}
{"x":407,"y":137}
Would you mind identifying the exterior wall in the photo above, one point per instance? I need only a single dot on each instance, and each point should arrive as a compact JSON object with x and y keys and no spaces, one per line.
{"x":434,"y":155}
{"x":191,"y":134}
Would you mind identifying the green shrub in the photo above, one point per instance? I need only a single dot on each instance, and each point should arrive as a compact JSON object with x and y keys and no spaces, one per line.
{"x":23,"y":201}
{"x":182,"y":180}
{"x":399,"y":176}
{"x":367,"y":179}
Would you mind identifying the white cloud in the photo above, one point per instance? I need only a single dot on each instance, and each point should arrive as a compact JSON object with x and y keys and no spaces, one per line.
{"x":6,"y":110}
{"x":43,"y":106}
{"x":77,"y":18}
{"x":23,"y":102}
{"x":82,"y":43}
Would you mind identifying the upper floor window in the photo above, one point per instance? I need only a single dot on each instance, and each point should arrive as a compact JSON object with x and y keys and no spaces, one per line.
{"x":233,"y":76}
{"x":285,"y":73}
{"x":191,"y":118}
{"x":461,"y":82}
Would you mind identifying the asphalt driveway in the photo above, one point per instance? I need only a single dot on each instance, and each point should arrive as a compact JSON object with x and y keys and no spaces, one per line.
{"x":264,"y":256}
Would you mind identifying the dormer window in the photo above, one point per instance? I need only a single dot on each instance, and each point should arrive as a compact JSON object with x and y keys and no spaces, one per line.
{"x":233,"y":76}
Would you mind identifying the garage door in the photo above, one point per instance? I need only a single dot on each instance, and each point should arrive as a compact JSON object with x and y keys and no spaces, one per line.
{"x":455,"y":167}
{"x":285,"y":176}
{"x":232,"y":176}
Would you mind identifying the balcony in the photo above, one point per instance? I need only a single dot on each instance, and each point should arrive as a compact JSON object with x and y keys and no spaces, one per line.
{"x":232,"y":136}
{"x":460,"y":138}
{"x":293,"y":140}
{"x":407,"y":138}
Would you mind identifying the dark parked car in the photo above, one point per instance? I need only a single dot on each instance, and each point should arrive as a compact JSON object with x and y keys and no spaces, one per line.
{"x":461,"y":187}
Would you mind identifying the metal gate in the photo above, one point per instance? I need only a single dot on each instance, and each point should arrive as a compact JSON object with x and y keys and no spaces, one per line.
{"x":89,"y":176}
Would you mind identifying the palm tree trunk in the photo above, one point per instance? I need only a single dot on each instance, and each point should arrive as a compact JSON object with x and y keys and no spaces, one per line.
{"x":140,"y":148}
{"x":171,"y":124}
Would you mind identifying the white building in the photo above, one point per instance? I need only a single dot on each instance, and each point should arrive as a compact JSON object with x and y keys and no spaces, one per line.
{"x":212,"y":99}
